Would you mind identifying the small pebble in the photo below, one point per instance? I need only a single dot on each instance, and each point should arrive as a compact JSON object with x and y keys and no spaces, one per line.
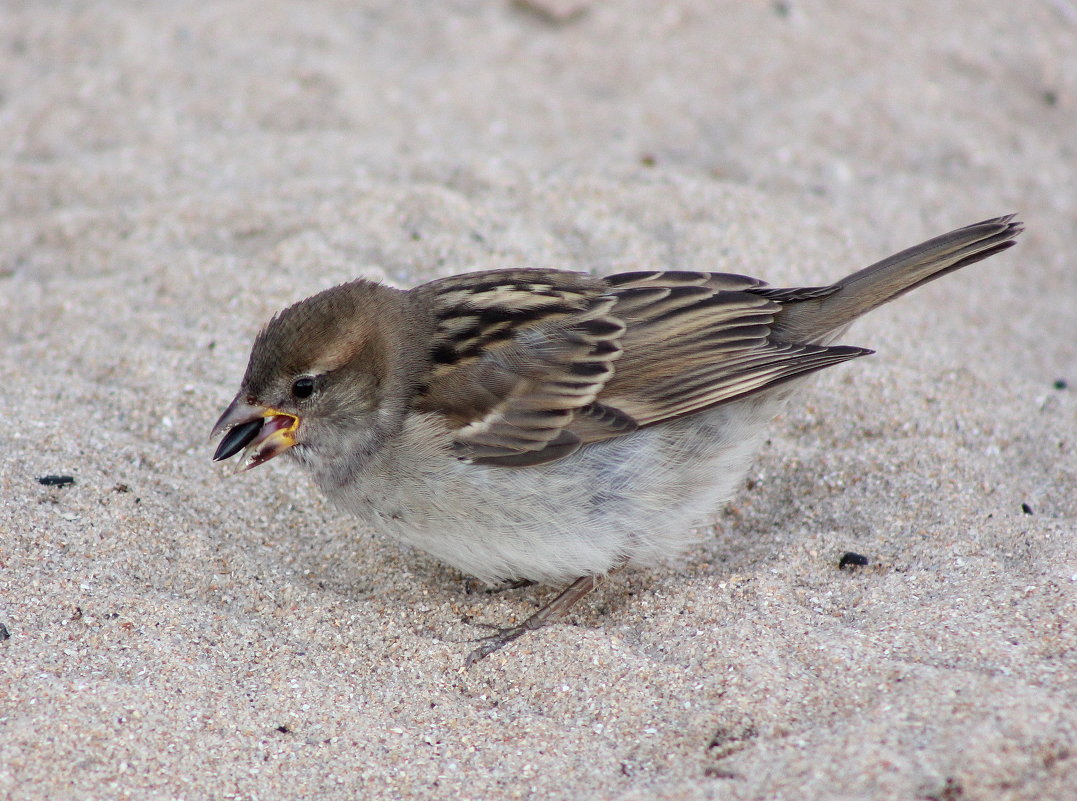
{"x":850,"y":559}
{"x":56,"y":481}
{"x":556,"y":12}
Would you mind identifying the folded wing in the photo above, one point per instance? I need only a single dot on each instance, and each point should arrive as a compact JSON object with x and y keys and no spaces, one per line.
{"x":562,"y":359}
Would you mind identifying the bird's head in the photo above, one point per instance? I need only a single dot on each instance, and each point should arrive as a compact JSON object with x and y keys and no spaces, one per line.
{"x":323,"y":372}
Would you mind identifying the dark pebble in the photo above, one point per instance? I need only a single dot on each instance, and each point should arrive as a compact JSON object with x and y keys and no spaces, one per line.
{"x":850,"y":559}
{"x":56,"y":481}
{"x":712,"y":772}
{"x":1026,"y":508}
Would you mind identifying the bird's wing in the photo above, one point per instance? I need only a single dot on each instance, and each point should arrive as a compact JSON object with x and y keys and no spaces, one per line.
{"x":516,"y":356}
{"x":696,"y":340}
{"x":529,"y":365}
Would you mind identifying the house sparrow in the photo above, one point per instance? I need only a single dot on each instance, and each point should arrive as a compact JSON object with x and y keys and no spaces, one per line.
{"x":550,"y":426}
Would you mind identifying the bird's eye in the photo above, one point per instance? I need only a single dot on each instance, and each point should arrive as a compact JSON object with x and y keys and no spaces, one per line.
{"x":303,"y":387}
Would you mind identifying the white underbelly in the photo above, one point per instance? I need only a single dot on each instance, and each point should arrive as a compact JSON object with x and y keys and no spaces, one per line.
{"x":631,"y":499}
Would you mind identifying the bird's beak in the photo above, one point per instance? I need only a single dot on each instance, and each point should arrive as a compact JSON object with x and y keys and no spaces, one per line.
{"x":263,"y":431}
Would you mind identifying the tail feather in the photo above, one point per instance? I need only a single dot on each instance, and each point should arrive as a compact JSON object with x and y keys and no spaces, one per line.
{"x":818,"y":314}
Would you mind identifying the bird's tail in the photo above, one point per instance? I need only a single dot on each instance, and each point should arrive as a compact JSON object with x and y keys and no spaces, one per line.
{"x":817,"y":315}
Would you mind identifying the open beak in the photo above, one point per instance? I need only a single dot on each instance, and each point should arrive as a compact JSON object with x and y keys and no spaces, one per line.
{"x":263,"y":433}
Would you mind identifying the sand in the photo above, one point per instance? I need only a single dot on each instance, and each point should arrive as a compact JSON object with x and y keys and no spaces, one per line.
{"x":173,"y":173}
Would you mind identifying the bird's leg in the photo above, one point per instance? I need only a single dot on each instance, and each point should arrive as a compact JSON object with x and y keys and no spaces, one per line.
{"x":474,"y":585}
{"x":518,"y":584}
{"x":547,"y":614}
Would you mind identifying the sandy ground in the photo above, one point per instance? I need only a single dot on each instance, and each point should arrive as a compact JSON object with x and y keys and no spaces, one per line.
{"x":172,"y":173}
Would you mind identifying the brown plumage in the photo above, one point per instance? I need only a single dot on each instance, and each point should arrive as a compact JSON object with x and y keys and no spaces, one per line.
{"x":541,"y":424}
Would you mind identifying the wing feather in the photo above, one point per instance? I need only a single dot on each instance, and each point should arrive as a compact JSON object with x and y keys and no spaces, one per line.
{"x":542,"y":346}
{"x":530,"y":365}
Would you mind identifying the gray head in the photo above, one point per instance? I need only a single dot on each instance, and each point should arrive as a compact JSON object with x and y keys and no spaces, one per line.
{"x":337,"y":361}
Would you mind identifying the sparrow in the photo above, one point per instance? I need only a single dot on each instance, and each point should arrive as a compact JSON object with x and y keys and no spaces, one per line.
{"x":549,"y":426}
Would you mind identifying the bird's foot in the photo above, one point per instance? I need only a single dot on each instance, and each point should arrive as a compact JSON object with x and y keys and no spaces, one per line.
{"x":547,"y":614}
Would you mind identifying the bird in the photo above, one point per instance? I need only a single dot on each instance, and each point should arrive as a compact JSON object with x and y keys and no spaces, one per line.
{"x":545,"y":426}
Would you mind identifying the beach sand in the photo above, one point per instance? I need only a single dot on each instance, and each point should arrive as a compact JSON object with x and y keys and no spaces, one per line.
{"x":173,"y":173}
